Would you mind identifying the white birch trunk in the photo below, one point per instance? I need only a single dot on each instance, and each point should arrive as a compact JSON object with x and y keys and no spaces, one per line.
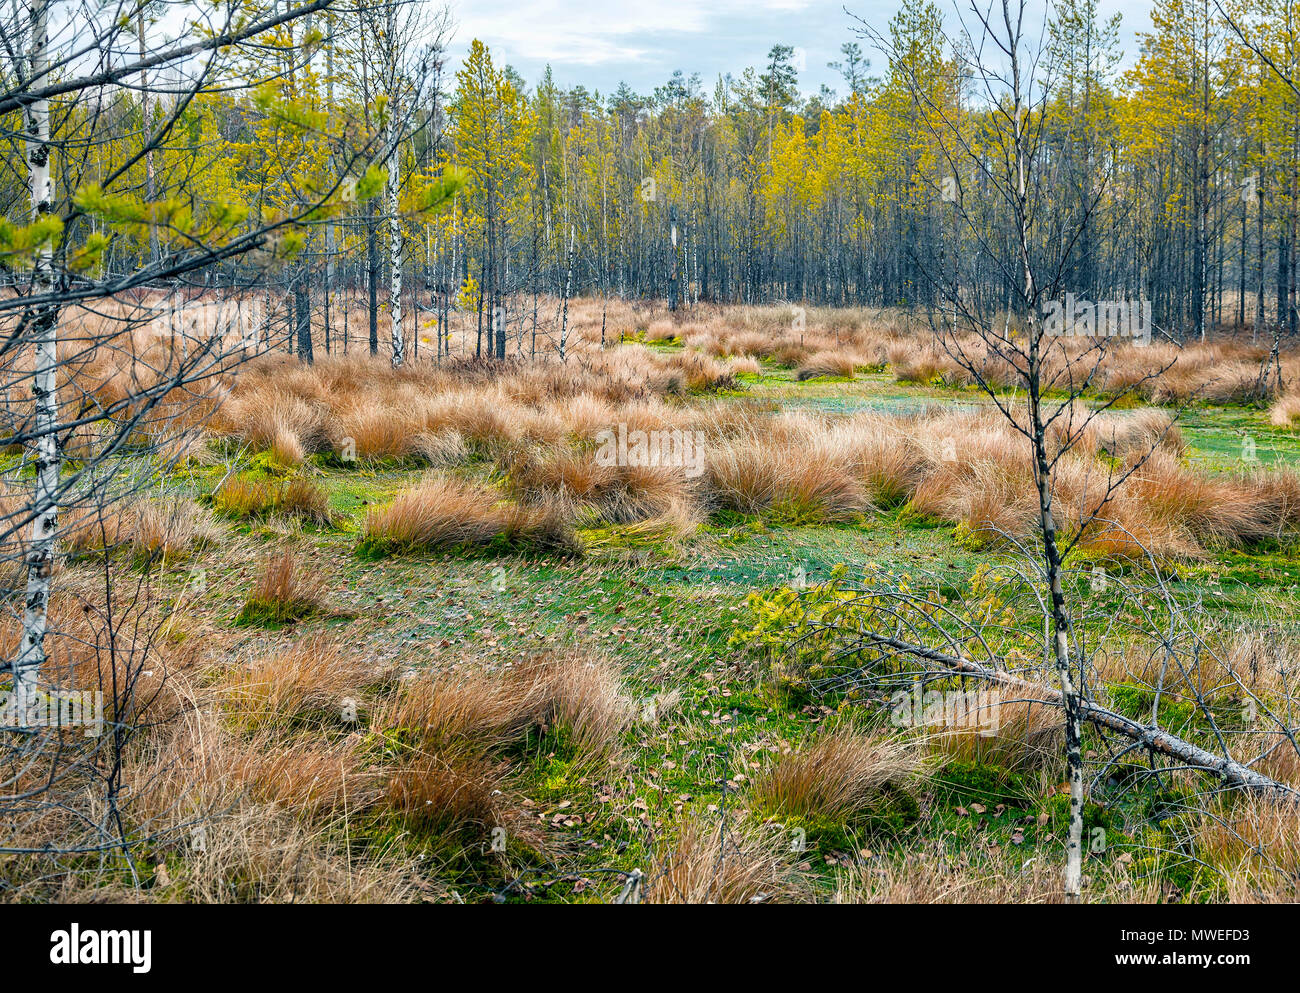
{"x":1070,"y":698}
{"x":146,"y":128}
{"x":44,"y":527}
{"x":395,"y":259}
{"x":394,"y":221}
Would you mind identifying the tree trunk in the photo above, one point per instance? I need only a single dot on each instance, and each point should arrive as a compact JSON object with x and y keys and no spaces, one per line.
{"x":44,"y":337}
{"x":1233,"y":773}
{"x":372,"y":273}
{"x":568,"y":284}
{"x":394,"y":221}
{"x":302,"y":315}
{"x":145,"y":129}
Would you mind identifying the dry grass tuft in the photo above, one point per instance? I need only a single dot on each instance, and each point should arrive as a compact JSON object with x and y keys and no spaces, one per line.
{"x":784,"y":479}
{"x":312,"y":778}
{"x":316,"y":680}
{"x":826,"y":363}
{"x":452,"y":730}
{"x":1016,"y":734}
{"x":307,"y":500}
{"x":451,"y":793}
{"x":745,"y":863}
{"x":261,"y":853}
{"x":161,"y":530}
{"x":598,"y":494}
{"x":241,"y":496}
{"x":284,"y":593}
{"x":1255,"y":845}
{"x":936,"y":875}
{"x":838,"y":777}
{"x":443,"y":513}
{"x":466,"y":711}
{"x":580,"y":693}
{"x":169,"y":529}
{"x":1285,"y":412}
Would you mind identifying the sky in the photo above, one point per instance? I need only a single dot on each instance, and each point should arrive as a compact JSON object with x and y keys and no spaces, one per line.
{"x":600,"y":43}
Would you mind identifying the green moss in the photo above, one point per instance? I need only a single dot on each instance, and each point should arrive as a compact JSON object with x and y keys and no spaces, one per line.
{"x":1057,"y":809}
{"x":265,"y":464}
{"x":909,"y":517}
{"x":973,"y":539}
{"x":795,"y":512}
{"x":963,"y":780}
{"x":273,"y":613}
{"x":827,"y":378}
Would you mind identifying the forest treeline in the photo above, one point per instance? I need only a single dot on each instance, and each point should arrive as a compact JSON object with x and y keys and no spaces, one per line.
{"x":1178,"y":178}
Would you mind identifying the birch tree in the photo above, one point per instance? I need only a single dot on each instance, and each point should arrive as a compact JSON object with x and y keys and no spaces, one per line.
{"x":62,"y":250}
{"x":1014,"y":82}
{"x":44,"y":321}
{"x":399,"y":50}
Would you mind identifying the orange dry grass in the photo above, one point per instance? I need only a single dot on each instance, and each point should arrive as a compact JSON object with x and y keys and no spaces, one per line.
{"x":1286,"y":410}
{"x":313,"y":679}
{"x":245,"y":496}
{"x":166,"y":528}
{"x":936,"y":875}
{"x":1255,"y":845}
{"x":312,"y":779}
{"x":250,"y":820}
{"x":478,"y":711}
{"x":303,"y":498}
{"x":1163,"y":496}
{"x":1016,"y":734}
{"x":451,"y":776}
{"x":455,"y":793}
{"x":468,"y":710}
{"x":581,"y":693}
{"x":446,"y":513}
{"x":538,"y":420}
{"x":878,"y":450}
{"x":752,"y":477}
{"x":610,"y":494}
{"x":241,"y":496}
{"x":284,"y":592}
{"x":120,"y":656}
{"x":838,"y":777}
{"x":826,"y":363}
{"x":358,"y":404}
{"x":742,"y":862}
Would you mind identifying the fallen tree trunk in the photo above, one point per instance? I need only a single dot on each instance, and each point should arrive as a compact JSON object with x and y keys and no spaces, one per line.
{"x":1232,"y":772}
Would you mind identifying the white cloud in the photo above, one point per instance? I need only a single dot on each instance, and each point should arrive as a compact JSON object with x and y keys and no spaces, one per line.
{"x":601,"y":43}
{"x":599,"y":33}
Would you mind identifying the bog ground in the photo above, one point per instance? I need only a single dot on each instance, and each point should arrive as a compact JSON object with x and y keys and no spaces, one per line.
{"x":405,"y":635}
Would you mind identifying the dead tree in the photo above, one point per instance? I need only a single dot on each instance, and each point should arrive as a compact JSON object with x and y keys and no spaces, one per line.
{"x":1019,"y":359}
